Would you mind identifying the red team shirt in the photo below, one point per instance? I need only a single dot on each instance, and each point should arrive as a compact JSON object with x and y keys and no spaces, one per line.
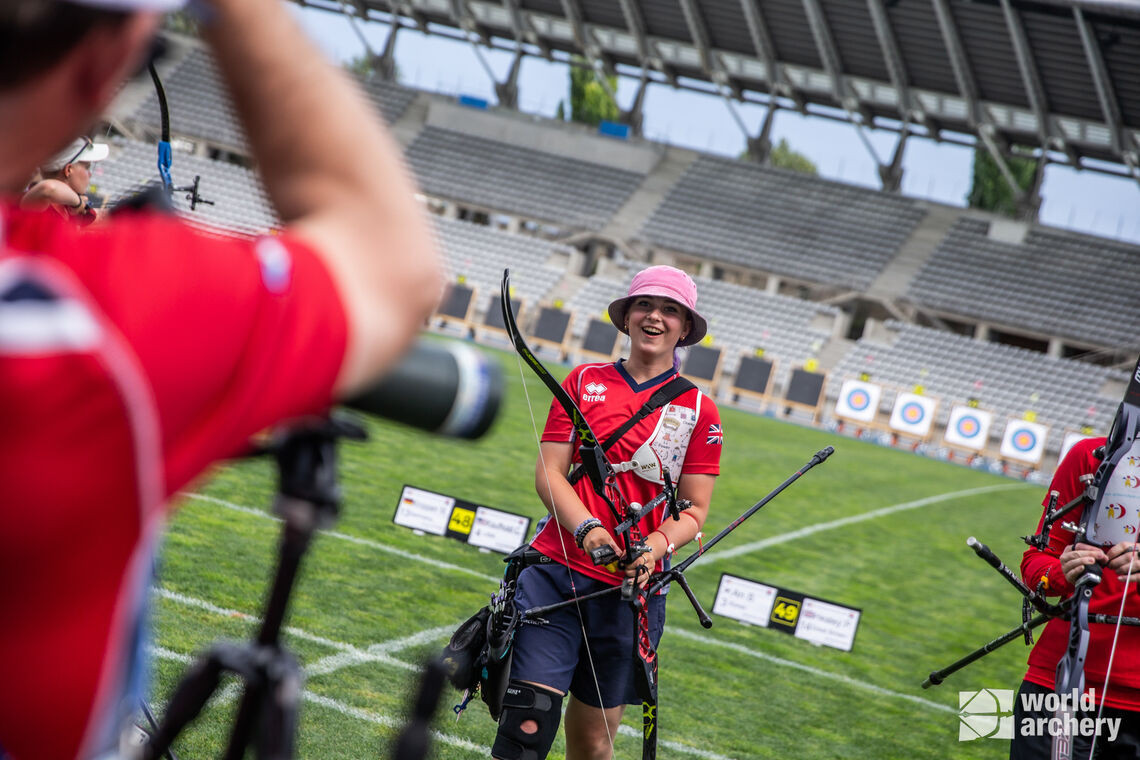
{"x":608,"y":397}
{"x":1124,"y":684}
{"x":132,"y":355}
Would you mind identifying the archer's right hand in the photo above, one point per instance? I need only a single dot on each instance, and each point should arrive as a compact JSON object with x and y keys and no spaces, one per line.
{"x":596,"y":539}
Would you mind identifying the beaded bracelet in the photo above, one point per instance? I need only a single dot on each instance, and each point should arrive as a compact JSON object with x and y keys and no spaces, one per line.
{"x":585,"y":527}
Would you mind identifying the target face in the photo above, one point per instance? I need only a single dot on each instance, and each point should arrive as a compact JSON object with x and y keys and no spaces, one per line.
{"x":858,"y":399}
{"x":968,"y":426}
{"x":1024,"y":440}
{"x":913,"y":413}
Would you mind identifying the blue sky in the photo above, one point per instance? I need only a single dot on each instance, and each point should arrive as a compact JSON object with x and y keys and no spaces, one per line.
{"x":1085,"y":201}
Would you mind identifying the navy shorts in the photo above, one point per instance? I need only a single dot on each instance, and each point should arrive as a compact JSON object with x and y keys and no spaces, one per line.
{"x":556,"y":656}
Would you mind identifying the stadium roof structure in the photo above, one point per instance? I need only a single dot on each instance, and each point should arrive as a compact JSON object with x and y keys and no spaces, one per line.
{"x":1059,"y":77}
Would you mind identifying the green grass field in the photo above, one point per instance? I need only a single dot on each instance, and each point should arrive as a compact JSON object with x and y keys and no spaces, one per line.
{"x":375,"y":599}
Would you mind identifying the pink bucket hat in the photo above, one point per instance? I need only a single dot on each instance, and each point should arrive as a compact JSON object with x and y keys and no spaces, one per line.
{"x":668,"y":282}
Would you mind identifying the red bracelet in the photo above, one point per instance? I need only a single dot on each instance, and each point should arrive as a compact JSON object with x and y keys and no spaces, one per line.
{"x":669,"y":547}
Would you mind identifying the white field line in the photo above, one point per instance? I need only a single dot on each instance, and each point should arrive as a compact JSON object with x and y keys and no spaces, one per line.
{"x":625,"y":730}
{"x":722,"y":554}
{"x":163,"y":653}
{"x":347,"y":654}
{"x":228,"y":693}
{"x":756,"y":546}
{"x":381,"y":652}
{"x":340,"y":707}
{"x":190,"y":601}
{"x":848,"y":680}
{"x":386,"y":721}
{"x":351,"y":539}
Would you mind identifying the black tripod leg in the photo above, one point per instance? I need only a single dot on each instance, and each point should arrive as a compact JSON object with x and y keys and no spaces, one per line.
{"x":195,"y":689}
{"x":279,"y":709}
{"x":414,"y":741}
{"x":246,"y":720}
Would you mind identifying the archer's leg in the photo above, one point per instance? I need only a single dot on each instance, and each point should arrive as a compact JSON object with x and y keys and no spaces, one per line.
{"x":529,"y":722}
{"x":543,"y":662}
{"x":588,"y":730}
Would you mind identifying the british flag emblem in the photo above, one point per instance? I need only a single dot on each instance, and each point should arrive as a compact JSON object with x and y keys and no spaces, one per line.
{"x":716,"y":437}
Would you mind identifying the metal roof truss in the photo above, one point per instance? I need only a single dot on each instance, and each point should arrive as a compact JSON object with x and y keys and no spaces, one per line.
{"x":773,"y":79}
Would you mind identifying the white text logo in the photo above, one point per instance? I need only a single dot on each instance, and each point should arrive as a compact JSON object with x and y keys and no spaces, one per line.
{"x":594,"y":392}
{"x":988,"y":714}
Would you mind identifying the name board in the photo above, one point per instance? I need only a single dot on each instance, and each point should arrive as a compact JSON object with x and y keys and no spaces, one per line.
{"x":817,"y":621}
{"x":441,"y":515}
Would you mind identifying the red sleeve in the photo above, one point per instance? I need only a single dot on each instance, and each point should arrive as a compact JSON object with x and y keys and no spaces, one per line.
{"x":558,"y":428}
{"x":234,"y":335}
{"x":1036,"y":564}
{"x":703,"y":454}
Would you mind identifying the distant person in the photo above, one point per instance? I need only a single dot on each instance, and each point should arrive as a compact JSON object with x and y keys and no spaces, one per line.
{"x":135,"y":353}
{"x":1061,"y":564}
{"x":659,"y":313}
{"x":64,"y":181}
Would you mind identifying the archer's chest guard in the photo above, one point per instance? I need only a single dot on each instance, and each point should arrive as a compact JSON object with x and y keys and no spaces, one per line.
{"x":1115,"y":513}
{"x":665,"y":449}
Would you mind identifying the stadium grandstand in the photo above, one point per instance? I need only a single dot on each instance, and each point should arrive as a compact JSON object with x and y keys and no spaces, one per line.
{"x":1026,"y":321}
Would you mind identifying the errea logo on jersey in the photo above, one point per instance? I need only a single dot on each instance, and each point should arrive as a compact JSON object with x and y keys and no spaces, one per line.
{"x":594,"y":392}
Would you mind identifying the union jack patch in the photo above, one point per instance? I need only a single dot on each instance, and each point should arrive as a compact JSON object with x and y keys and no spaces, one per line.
{"x":716,"y":437}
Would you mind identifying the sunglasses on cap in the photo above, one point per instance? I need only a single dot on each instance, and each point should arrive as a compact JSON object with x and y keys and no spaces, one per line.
{"x":87,"y":144}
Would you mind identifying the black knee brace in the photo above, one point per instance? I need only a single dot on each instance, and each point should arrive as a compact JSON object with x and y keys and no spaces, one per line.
{"x":524,"y":702}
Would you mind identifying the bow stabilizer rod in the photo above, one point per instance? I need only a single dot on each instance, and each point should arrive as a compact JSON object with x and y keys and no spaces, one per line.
{"x":678,"y":573}
{"x":820,"y":457}
{"x":1036,"y":599}
{"x":938,"y":676}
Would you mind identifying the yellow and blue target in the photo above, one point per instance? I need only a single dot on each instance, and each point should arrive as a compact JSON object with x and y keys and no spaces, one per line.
{"x":968,"y":426}
{"x":858,"y":399}
{"x":1024,"y":440}
{"x":913,"y":413}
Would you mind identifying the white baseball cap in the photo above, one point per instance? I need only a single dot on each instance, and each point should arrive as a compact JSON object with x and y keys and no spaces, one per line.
{"x":79,"y":149}
{"x":132,"y":5}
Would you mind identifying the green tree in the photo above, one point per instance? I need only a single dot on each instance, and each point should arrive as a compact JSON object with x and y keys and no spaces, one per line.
{"x":181,"y":22}
{"x":589,"y":101}
{"x":364,"y":66}
{"x":783,"y":156}
{"x":990,"y":191}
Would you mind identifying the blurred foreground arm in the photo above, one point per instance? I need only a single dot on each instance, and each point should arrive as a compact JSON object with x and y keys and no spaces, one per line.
{"x":335,"y":177}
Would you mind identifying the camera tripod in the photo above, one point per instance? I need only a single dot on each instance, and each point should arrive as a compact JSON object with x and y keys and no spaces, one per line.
{"x":307,"y":499}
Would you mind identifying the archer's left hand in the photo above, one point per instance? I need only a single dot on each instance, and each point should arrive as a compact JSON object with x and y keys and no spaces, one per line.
{"x":1120,"y":557}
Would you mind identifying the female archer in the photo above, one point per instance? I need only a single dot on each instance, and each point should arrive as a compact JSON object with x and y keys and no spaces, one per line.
{"x":587,"y":649}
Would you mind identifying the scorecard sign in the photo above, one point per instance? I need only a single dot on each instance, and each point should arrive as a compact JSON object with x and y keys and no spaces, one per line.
{"x":441,"y":515}
{"x":815,"y":620}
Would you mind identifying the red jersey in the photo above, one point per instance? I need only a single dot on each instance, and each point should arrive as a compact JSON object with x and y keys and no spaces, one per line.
{"x":1124,"y":684}
{"x":684,"y":436}
{"x":132,"y":355}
